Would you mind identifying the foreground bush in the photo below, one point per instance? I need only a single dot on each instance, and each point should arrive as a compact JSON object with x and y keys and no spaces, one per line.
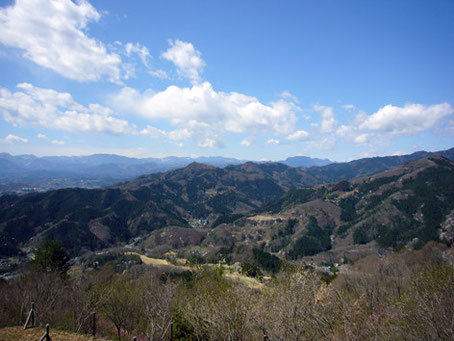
{"x":406,"y":296}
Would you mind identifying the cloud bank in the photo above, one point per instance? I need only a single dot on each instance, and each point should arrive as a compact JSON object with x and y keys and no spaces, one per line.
{"x":53,"y":35}
{"x":202,"y":111}
{"x":57,"y":110}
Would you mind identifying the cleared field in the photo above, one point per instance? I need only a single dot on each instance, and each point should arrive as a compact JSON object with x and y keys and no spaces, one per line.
{"x":159,"y":262}
{"x":262,"y":218}
{"x":250,"y":282}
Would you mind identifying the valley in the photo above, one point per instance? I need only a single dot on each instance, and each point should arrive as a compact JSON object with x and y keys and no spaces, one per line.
{"x":290,"y":212}
{"x":203,"y":243}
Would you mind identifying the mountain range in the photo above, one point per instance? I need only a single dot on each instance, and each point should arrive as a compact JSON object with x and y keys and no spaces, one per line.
{"x":28,"y":173}
{"x":389,"y":201}
{"x":24,"y":173}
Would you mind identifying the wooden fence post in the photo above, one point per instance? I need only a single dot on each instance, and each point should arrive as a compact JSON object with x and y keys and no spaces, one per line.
{"x":94,"y":324}
{"x":171,"y":331}
{"x":33,"y":314}
{"x":31,"y":317}
{"x":47,"y":333}
{"x":46,"y":336}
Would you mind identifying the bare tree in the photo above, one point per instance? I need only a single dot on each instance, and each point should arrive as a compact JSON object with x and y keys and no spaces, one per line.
{"x":297,"y":307}
{"x":217,"y":308}
{"x":121,"y":304}
{"x":83,"y":298}
{"x":156,"y":307}
{"x":428,"y":308}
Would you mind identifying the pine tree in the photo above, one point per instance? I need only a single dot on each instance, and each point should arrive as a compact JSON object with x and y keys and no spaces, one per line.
{"x":51,"y":257}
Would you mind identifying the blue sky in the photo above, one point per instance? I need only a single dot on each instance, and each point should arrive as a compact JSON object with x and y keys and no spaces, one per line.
{"x":246,"y":79}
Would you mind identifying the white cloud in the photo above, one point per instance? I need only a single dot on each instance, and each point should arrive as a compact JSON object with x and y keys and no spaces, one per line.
{"x":132,"y":50}
{"x":248,"y":141}
{"x":298,"y":135}
{"x":288,"y":95}
{"x":343,"y":130}
{"x":273,"y":141}
{"x":44,"y":137}
{"x":140,"y":50}
{"x":202,"y":135}
{"x":206,"y":112}
{"x":210,"y":140}
{"x":161,"y":74}
{"x":53,"y":34}
{"x":175,"y":135}
{"x":186,"y":58}
{"x":321,"y":142}
{"x":361,"y":139}
{"x":57,"y":110}
{"x":349,"y":107}
{"x":406,"y":120}
{"x":14,"y":139}
{"x":329,"y":123}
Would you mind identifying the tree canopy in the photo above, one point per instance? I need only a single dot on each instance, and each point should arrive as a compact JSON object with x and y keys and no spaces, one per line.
{"x":51,"y":257}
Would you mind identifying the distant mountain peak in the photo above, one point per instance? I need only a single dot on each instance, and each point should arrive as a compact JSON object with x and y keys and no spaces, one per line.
{"x":305,"y":161}
{"x":198,"y":166}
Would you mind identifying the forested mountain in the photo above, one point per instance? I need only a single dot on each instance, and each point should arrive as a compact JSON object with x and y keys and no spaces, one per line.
{"x":53,"y":172}
{"x":406,"y":206}
{"x":27,"y":172}
{"x":392,"y":208}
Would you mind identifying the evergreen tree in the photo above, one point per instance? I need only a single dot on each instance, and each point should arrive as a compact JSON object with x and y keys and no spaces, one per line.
{"x":51,"y":257}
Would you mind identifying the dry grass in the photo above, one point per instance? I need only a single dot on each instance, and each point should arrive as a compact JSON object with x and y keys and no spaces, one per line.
{"x":261,"y":218}
{"x":248,"y":281}
{"x":19,"y":334}
{"x":159,"y":262}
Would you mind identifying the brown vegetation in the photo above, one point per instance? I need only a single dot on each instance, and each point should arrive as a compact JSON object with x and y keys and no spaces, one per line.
{"x":403,"y":296}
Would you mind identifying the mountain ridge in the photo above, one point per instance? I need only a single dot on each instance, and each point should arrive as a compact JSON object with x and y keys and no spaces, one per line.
{"x":90,"y":219}
{"x":24,"y":173}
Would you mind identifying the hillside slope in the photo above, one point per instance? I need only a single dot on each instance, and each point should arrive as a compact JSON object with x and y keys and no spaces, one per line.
{"x":93,"y":219}
{"x":406,"y":206}
{"x":392,"y":208}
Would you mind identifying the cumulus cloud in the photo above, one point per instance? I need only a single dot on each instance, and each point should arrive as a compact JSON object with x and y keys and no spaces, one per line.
{"x":59,"y":142}
{"x":15,"y":139}
{"x":139,"y":50}
{"x":343,"y":130}
{"x":361,"y":139}
{"x":406,"y":120}
{"x":328,"y":123}
{"x":161,"y":74}
{"x":248,"y":141}
{"x":175,"y":135}
{"x":57,"y":110}
{"x":53,"y":35}
{"x":273,"y":141}
{"x":136,"y":49}
{"x":203,"y":108}
{"x":202,"y":135}
{"x":288,"y":95}
{"x":186,"y":58}
{"x":298,"y":135}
